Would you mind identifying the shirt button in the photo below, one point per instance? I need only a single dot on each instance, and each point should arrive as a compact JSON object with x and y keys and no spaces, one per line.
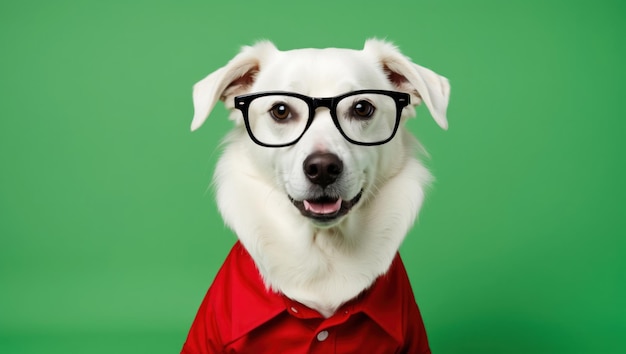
{"x":322,"y":336}
{"x":294,"y":310}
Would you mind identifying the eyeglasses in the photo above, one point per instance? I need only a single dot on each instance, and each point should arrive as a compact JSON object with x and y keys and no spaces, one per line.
{"x":364,"y":117}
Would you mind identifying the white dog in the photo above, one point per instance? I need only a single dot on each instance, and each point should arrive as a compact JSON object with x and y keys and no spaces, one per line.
{"x":319,"y":182}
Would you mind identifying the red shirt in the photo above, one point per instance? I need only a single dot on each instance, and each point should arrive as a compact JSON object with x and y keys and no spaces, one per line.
{"x":239,"y":315}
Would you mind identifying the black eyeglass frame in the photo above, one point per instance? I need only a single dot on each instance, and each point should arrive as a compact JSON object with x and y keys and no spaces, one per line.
{"x":242,"y":103}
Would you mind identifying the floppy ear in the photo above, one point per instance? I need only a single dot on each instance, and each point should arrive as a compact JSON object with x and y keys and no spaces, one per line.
{"x":231,"y":80}
{"x":421,"y":83}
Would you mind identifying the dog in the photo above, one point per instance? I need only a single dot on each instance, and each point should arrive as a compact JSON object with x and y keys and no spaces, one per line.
{"x":320,"y":182}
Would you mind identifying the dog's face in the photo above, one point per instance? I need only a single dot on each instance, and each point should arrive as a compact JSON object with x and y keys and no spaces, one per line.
{"x":324,"y":176}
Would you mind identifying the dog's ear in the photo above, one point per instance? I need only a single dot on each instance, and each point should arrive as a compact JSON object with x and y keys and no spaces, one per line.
{"x":421,"y":83}
{"x":234,"y":79}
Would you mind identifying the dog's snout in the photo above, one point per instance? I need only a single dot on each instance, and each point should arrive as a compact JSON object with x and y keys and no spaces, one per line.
{"x":322,"y":168}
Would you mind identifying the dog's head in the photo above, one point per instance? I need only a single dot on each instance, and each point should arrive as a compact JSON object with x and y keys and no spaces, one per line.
{"x":324,"y":126}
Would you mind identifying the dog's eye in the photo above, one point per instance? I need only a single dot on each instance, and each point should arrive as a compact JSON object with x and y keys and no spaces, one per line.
{"x":363,"y":109}
{"x":280,"y":111}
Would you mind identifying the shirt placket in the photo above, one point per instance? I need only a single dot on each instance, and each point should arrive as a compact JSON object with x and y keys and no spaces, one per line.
{"x":325,"y":337}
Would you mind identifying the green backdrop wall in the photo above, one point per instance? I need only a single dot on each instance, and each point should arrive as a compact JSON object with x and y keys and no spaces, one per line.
{"x":109,"y":234}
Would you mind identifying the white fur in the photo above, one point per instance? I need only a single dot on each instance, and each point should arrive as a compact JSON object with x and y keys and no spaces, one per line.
{"x":321,"y":266}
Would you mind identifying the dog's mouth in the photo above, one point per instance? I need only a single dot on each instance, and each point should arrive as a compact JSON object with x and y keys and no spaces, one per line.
{"x":326,"y":208}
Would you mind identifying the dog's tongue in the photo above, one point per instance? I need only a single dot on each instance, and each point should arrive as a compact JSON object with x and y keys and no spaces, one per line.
{"x":323,"y":208}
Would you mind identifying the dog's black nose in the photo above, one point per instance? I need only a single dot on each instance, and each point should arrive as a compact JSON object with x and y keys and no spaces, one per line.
{"x":322,"y":168}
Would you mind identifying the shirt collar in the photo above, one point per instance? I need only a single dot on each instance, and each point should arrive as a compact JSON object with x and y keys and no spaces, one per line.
{"x":386,"y":300}
{"x":253,"y":304}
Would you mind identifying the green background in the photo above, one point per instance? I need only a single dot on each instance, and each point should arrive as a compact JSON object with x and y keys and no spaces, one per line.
{"x":109,"y":230}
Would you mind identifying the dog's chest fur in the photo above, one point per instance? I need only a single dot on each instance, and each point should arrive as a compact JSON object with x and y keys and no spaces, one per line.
{"x":321,"y":268}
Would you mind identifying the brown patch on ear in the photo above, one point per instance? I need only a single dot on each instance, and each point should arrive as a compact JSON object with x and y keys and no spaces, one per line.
{"x":399,"y":81}
{"x":396,"y":79}
{"x":242,"y":83}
